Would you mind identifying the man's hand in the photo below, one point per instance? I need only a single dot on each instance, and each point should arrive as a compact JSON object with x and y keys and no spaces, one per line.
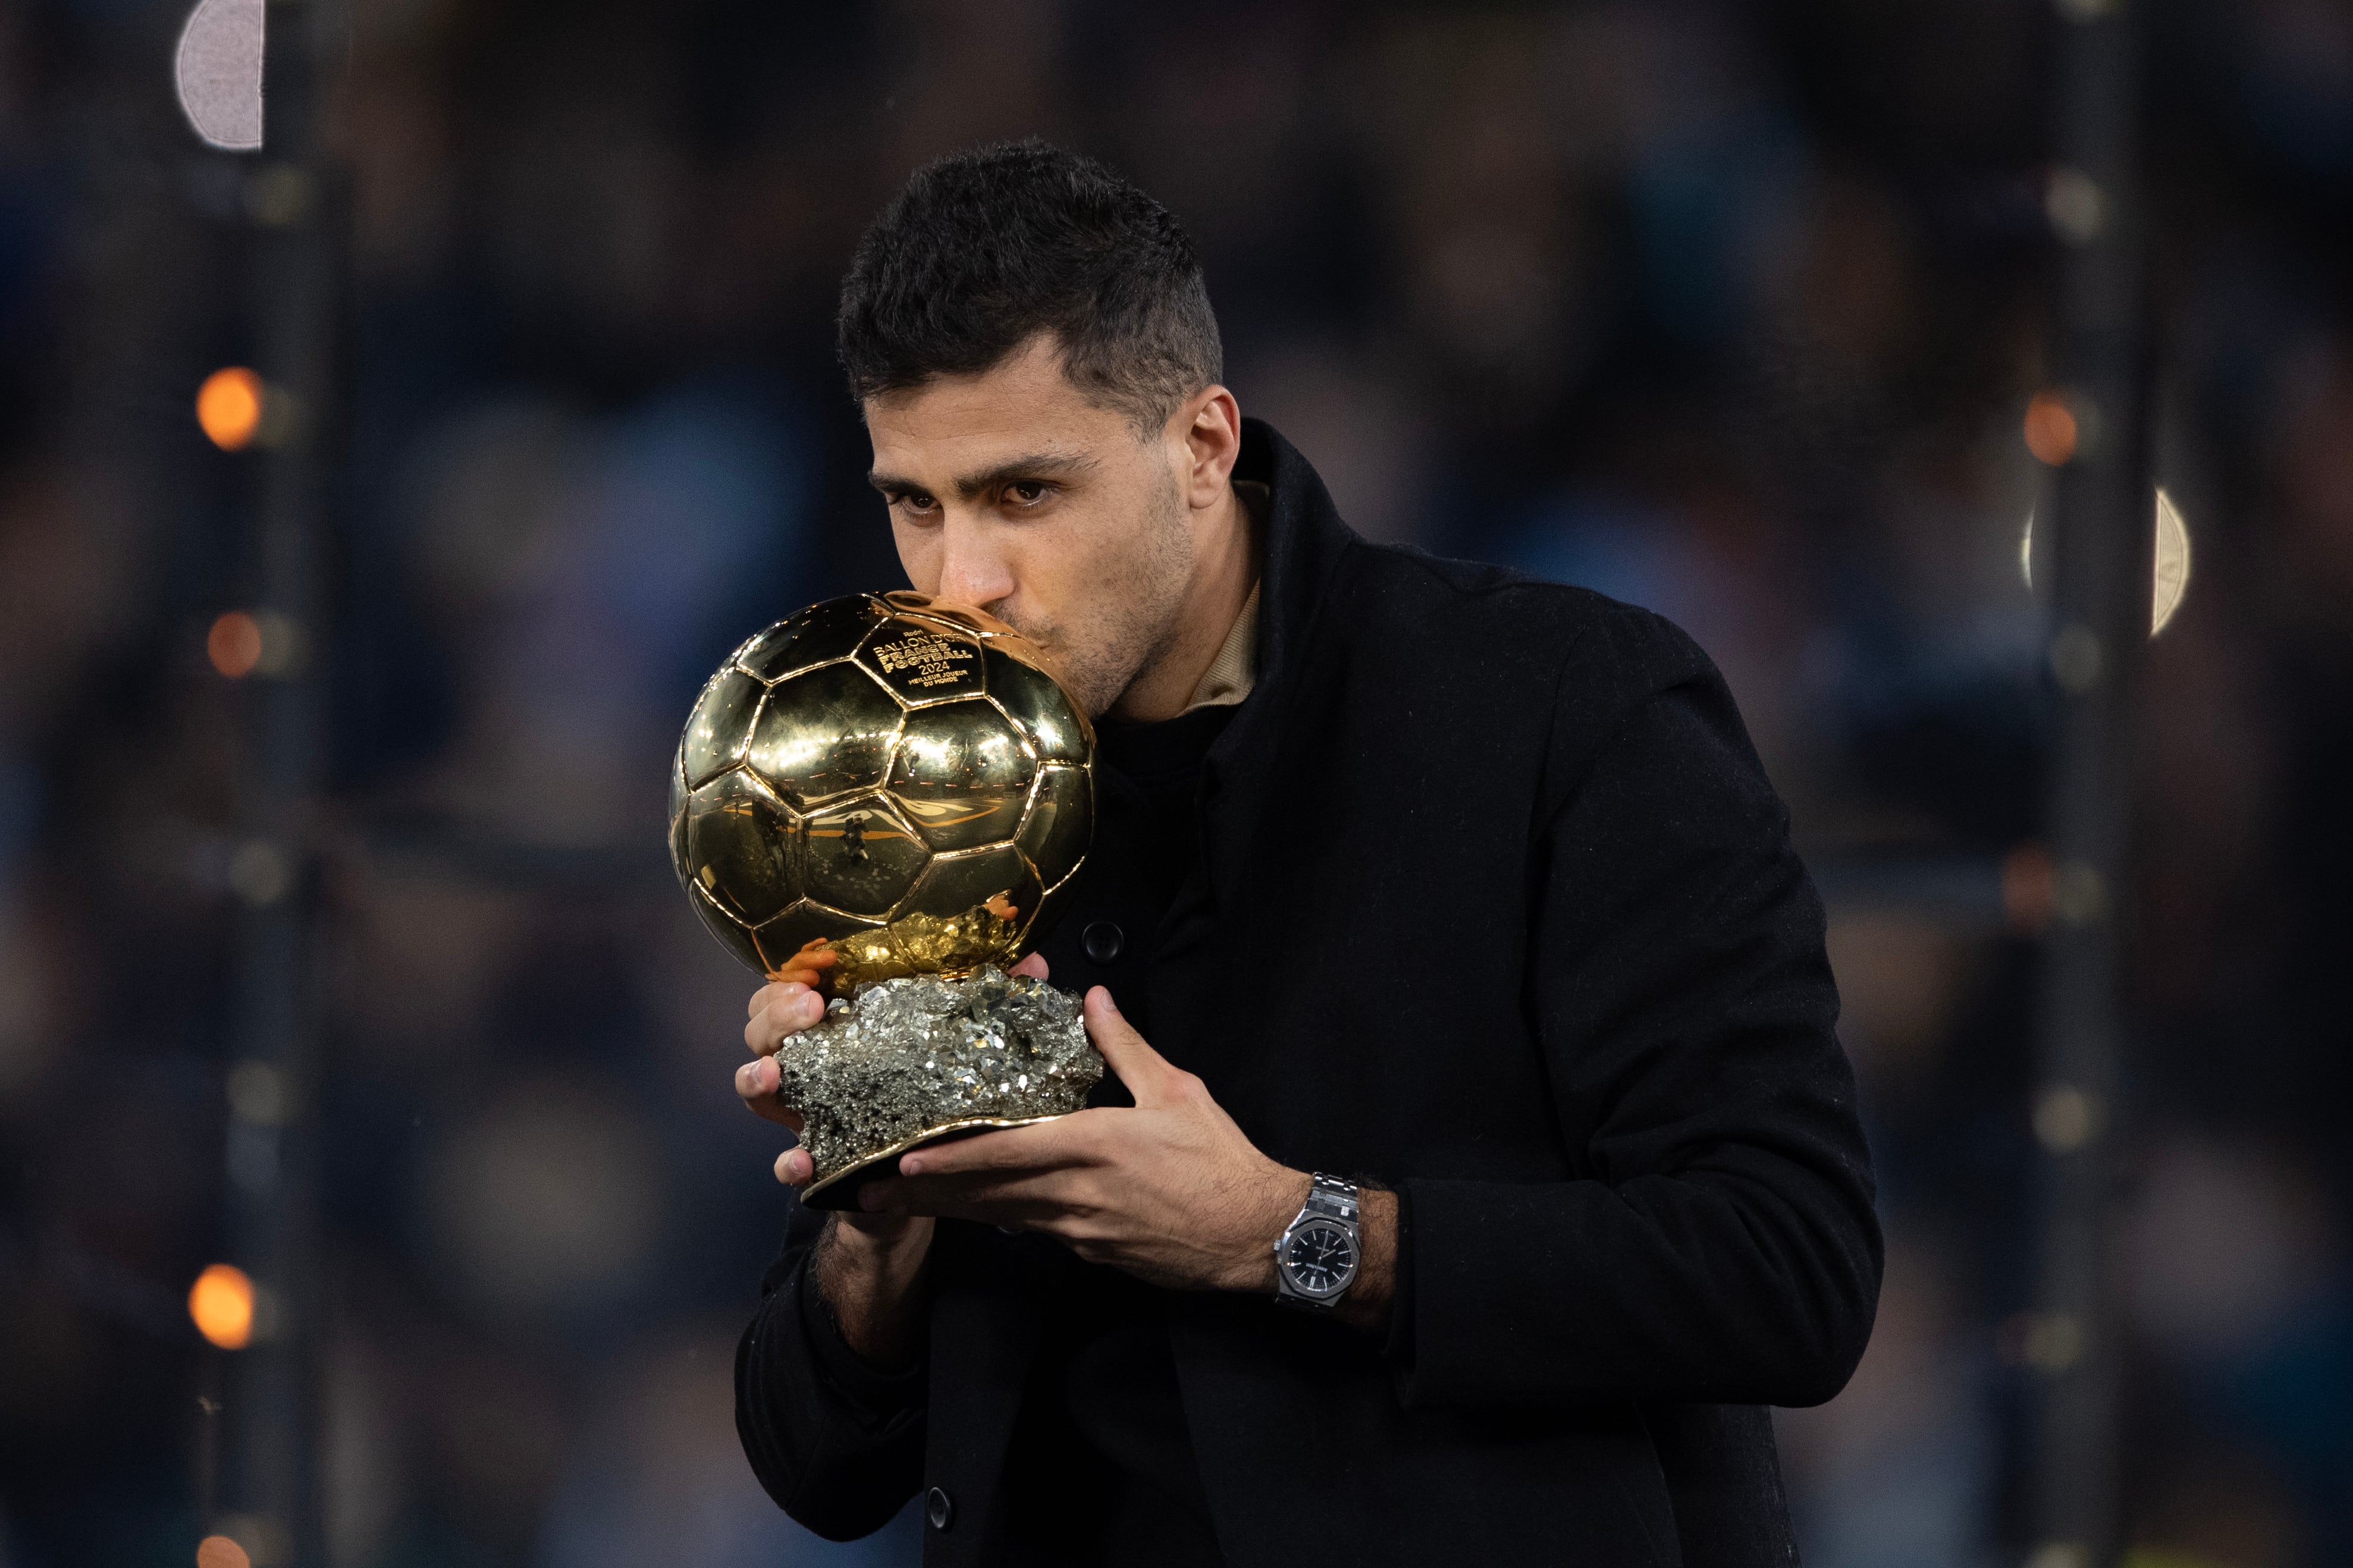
{"x":869,"y":1267}
{"x":1172,"y":1191}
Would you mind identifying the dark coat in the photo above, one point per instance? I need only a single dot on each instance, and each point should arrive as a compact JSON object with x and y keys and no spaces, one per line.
{"x":1497,"y":907}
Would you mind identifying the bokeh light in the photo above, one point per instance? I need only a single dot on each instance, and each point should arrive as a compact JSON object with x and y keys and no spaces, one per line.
{"x":220,"y":1552}
{"x":221,"y":1304}
{"x":2169,"y":561}
{"x":2050,"y":431}
{"x":228,"y":406}
{"x":2172,"y":562}
{"x":217,"y":71}
{"x":234,"y":645}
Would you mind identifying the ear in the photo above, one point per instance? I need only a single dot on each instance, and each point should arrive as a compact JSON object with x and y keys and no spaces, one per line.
{"x":1208,"y":429}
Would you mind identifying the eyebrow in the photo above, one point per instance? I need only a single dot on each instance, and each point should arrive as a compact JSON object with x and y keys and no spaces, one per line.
{"x":1030,"y":466}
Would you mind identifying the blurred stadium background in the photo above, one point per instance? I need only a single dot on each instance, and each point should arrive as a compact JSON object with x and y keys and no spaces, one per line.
{"x":1735,"y":311}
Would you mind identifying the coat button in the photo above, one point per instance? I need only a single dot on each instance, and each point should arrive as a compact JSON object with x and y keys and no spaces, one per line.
{"x":939,"y":1507}
{"x":1103,"y":940}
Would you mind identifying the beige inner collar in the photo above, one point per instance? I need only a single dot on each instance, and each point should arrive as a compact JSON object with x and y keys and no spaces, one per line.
{"x":1234,"y":671}
{"x":1230,"y":675}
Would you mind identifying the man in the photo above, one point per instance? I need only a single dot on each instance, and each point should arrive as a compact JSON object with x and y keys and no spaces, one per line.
{"x":1439,"y":921}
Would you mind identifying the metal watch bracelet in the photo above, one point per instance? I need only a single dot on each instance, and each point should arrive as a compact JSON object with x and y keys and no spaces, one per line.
{"x":1331,"y":1205}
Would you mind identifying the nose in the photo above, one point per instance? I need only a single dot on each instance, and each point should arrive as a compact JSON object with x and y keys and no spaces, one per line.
{"x":973,"y":569}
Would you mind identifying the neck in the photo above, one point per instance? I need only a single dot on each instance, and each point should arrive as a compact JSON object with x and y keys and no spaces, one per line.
{"x":1225,"y":570}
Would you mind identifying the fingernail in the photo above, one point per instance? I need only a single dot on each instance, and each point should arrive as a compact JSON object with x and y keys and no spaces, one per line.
{"x":1109,"y":1006}
{"x":909,"y":1165}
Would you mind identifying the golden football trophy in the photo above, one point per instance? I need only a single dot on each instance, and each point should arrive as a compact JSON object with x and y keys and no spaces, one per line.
{"x":884,"y":796}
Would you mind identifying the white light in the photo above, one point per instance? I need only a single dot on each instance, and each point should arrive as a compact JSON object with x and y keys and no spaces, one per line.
{"x":2171,"y":564}
{"x":217,"y":70}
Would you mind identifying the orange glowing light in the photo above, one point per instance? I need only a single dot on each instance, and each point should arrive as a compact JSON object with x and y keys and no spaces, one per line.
{"x":220,"y":1552}
{"x":2051,"y":433}
{"x":221,"y":1302}
{"x":229,"y":405}
{"x":234,"y":645}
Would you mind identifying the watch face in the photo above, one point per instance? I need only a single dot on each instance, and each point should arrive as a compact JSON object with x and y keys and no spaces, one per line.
{"x":1321,"y":1259}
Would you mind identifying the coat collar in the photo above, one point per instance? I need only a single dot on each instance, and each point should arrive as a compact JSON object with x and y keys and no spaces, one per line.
{"x":1304,"y":542}
{"x":1303,"y":545}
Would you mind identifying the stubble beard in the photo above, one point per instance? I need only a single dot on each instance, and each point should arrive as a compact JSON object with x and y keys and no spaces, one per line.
{"x":1123,"y":627}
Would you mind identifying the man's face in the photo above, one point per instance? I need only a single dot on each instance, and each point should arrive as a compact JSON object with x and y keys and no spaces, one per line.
{"x":1011,"y":492}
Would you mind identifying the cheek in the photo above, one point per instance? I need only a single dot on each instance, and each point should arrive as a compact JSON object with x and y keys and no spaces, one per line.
{"x":1093,"y":560}
{"x":1051,"y":568}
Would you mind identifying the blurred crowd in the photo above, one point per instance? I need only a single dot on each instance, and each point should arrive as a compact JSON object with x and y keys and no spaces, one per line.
{"x":1730,"y":310}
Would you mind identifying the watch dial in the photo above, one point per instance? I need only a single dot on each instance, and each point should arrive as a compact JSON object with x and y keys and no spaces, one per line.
{"x":1319,"y":1258}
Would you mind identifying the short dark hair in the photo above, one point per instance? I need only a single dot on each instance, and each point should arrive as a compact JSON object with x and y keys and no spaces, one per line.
{"x":988,"y":247}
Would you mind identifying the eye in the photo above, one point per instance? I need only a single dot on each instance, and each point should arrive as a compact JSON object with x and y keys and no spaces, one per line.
{"x":1027,"y":492}
{"x":914,"y":504}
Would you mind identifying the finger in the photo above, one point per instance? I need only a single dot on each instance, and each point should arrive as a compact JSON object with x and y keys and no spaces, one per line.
{"x":1033,"y":966}
{"x":767,"y":997}
{"x":790,"y":1009}
{"x":794,"y":1167}
{"x":1146,"y":1071}
{"x":784,"y":983}
{"x":1031,"y":1200}
{"x":815,"y":956}
{"x":755,"y":1083}
{"x":1049,"y":1145}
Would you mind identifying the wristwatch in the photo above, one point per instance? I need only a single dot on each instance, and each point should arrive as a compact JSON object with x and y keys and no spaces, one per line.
{"x":1316,"y":1257}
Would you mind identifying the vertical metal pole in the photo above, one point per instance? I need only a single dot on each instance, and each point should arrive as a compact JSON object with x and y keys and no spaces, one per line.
{"x":272,"y":1480}
{"x":2101,"y":573}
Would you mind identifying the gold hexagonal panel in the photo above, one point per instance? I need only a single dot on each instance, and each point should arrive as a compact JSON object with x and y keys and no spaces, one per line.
{"x":783,"y":938}
{"x":961,"y":774}
{"x":1061,"y":823}
{"x":1047,"y":716}
{"x":720,"y":726}
{"x":861,"y":857}
{"x":1050,"y":910}
{"x":828,"y":631}
{"x":732,"y":934}
{"x":826,"y":733}
{"x":923,"y":661}
{"x":952,"y":884}
{"x":739,"y":848}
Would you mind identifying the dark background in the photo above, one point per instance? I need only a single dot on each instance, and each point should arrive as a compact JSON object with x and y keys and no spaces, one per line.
{"x":1732,"y":311}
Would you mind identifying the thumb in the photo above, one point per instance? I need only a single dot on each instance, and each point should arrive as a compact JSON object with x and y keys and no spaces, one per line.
{"x":1144,"y":1071}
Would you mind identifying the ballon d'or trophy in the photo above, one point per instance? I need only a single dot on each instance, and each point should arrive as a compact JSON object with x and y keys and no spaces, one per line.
{"x":887,"y":793}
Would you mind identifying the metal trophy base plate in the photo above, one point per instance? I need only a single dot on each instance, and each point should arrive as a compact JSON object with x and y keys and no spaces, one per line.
{"x":922,"y":1060}
{"x":841,"y":1190}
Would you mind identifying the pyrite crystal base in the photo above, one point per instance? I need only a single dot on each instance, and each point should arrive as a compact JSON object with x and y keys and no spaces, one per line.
{"x":910,"y":1060}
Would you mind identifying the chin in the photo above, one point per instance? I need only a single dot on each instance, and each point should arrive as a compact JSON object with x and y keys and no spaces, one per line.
{"x":1081,"y":676}
{"x":1093,"y":697}
{"x":1090,"y":688}
{"x":1096,"y":676}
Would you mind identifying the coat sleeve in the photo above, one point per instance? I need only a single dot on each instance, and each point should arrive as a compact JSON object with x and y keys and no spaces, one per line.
{"x":838,"y":1443}
{"x":1718,"y":1243}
